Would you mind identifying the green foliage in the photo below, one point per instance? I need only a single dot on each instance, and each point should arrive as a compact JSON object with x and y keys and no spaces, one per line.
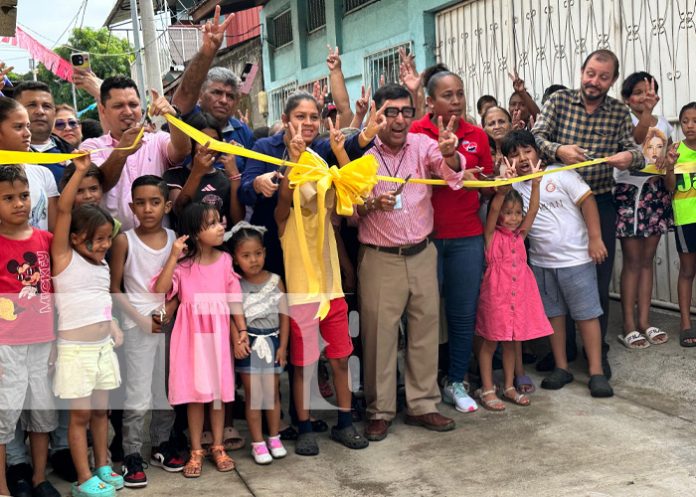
{"x":94,"y":41}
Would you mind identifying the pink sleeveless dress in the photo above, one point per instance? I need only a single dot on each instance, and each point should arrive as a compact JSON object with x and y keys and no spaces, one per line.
{"x":510,"y":307}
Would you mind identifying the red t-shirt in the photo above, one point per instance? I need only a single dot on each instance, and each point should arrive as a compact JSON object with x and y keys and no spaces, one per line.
{"x":26,"y":292}
{"x":456,"y":212}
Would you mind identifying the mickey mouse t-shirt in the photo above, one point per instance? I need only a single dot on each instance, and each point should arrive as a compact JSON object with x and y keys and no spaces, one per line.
{"x":26,"y":292}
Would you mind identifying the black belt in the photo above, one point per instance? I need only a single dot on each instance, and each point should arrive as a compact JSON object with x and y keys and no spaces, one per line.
{"x":405,"y":250}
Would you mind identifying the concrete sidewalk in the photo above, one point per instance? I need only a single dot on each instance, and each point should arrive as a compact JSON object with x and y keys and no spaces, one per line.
{"x":640,"y":443}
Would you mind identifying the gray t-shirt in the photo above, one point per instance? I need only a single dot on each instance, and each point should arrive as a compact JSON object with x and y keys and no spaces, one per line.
{"x":261,"y":303}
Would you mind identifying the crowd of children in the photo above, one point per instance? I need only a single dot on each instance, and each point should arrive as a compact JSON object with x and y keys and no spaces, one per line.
{"x":218,"y":298}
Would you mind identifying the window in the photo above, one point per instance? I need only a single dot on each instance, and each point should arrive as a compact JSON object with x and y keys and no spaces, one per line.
{"x":385,"y":62}
{"x":282,"y":29}
{"x":309,"y":87}
{"x":278,"y":98}
{"x":316,"y":15}
{"x":352,"y":5}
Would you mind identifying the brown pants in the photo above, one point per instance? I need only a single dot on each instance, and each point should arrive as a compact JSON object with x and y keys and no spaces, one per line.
{"x":390,"y":284}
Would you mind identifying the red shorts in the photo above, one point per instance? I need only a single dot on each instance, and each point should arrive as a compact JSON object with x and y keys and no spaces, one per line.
{"x":305,"y":330}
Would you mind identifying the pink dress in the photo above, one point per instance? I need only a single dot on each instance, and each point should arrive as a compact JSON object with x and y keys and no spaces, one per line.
{"x":510,"y":307}
{"x":200,"y":358}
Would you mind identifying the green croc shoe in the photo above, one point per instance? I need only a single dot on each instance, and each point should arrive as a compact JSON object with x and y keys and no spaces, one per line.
{"x":107,"y":475}
{"x":93,"y":487}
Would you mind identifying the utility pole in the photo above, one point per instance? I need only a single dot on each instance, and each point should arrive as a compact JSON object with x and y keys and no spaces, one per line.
{"x":151,"y":52}
{"x":140,"y":74}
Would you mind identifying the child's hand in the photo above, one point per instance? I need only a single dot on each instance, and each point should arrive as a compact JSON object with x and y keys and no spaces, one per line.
{"x":82,"y":163}
{"x":241,"y":346}
{"x":376,"y":122}
{"x":336,"y":138}
{"x":116,"y":334}
{"x":296,"y":145}
{"x":179,"y":246}
{"x":517,"y":122}
{"x":597,"y":250}
{"x":204,"y":159}
{"x":508,"y":170}
{"x":229,"y":162}
{"x":666,"y":163}
{"x":536,"y":169}
{"x":362,"y":105}
{"x":281,"y":356}
{"x":51,"y":360}
{"x":447,"y":141}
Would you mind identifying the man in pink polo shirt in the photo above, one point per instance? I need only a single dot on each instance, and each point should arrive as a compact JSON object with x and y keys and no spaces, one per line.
{"x":398,"y":266}
{"x":121,"y":113}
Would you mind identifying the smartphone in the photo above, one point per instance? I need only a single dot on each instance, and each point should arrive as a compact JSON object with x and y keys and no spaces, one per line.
{"x":80,"y":60}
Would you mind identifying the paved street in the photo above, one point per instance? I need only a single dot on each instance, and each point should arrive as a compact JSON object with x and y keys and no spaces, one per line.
{"x":641,"y":443}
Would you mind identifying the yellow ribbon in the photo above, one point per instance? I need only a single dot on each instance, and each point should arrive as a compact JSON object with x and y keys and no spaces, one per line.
{"x":351,"y":184}
{"x":680,"y":168}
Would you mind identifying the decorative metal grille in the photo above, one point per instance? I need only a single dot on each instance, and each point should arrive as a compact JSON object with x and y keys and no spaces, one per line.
{"x":316,"y":14}
{"x":383,"y":63}
{"x":278,"y":98}
{"x":282,"y":29}
{"x":352,"y":5}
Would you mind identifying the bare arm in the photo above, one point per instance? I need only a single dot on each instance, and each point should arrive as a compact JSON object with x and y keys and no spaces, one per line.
{"x":165,"y":279}
{"x":52,"y":213}
{"x":590,"y":213}
{"x":284,"y":328}
{"x":338,"y":89}
{"x":493,"y":213}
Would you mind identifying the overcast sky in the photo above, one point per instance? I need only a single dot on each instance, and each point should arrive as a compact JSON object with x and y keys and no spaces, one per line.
{"x":50,"y":18}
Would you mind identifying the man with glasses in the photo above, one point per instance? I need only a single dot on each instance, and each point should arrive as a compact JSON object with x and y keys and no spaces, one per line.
{"x":398,"y":266}
{"x":36,"y":97}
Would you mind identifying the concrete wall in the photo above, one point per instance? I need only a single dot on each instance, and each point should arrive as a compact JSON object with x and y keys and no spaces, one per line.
{"x":377,"y":26}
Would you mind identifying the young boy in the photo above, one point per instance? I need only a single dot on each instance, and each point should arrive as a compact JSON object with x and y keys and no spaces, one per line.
{"x":26,"y":327}
{"x":304,"y":327}
{"x":136,"y":256}
{"x":565,"y":243}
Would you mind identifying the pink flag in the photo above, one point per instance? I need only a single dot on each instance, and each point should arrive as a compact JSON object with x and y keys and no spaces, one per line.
{"x":53,"y":62}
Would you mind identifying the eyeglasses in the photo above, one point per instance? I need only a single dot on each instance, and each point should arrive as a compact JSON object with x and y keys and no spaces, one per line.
{"x":70,"y":123}
{"x":407,"y":112}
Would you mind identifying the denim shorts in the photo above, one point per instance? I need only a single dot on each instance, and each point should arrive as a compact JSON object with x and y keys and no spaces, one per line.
{"x":569,"y":289}
{"x":264,"y":344}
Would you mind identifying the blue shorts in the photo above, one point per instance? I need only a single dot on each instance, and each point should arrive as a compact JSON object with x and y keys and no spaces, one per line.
{"x":263,"y":343}
{"x":569,"y":289}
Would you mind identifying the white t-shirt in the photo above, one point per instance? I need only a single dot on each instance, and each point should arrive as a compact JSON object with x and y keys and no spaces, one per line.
{"x":558,"y":238}
{"x":42,"y":186}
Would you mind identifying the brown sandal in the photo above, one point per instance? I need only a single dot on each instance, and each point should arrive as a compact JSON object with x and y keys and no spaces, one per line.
{"x":223,"y":462}
{"x":194,"y":464}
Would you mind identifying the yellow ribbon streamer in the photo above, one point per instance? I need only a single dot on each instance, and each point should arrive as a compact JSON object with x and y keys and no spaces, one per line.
{"x":680,"y":168}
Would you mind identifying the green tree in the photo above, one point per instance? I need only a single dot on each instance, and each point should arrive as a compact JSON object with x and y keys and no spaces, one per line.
{"x":109,"y":56}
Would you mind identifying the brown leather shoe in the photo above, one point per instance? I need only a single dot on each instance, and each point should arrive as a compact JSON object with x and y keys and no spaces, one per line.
{"x":432,"y":421}
{"x":377,"y":429}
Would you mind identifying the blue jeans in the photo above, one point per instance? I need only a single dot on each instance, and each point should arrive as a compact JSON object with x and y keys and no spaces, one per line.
{"x":459,"y":272}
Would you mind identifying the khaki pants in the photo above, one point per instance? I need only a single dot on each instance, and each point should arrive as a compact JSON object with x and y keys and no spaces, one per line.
{"x":389,"y":285}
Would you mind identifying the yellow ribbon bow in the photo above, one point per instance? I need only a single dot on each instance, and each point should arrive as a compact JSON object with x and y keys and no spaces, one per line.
{"x":351,"y":184}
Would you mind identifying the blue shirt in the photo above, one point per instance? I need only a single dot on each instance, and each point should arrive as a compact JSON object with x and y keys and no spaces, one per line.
{"x":58,"y":146}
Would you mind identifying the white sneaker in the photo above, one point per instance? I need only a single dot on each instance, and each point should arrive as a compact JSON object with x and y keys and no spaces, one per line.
{"x":276,"y":447}
{"x":455,"y":394}
{"x":259,"y":452}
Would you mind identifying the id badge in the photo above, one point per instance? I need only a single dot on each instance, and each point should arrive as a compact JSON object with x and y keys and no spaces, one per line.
{"x":397,"y":203}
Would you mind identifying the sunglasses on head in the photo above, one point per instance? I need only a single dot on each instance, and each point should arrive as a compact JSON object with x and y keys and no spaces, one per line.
{"x":70,"y":123}
{"x":405,"y":111}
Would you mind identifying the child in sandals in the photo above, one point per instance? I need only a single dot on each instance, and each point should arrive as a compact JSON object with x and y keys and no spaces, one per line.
{"x":510,"y":308}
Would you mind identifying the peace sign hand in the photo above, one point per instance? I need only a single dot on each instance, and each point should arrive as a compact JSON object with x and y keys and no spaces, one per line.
{"x":667,"y":162}
{"x":320,"y":92}
{"x":376,"y":122}
{"x":447,"y":141}
{"x":651,"y":99}
{"x":535,"y":169}
{"x":363,"y":103}
{"x":517,"y":82}
{"x":179,"y":246}
{"x":333,"y":60}
{"x":214,"y":32}
{"x":336,"y":138}
{"x":296,"y":145}
{"x":508,"y":170}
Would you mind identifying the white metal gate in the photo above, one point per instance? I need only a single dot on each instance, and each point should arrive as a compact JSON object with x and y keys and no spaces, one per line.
{"x":547,"y":41}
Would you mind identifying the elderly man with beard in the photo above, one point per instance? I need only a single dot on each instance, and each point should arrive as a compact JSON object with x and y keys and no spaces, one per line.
{"x":583,"y":124}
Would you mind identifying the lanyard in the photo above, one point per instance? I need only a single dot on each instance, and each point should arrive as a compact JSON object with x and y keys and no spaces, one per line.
{"x":396,"y":171}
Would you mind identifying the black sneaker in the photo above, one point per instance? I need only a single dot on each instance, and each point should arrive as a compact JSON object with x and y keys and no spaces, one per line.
{"x":557,"y":380}
{"x":133,"y":472}
{"x":19,"y":479}
{"x":167,"y":457}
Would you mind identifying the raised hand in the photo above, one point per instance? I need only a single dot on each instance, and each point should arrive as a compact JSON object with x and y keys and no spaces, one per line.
{"x":667,"y":162}
{"x":447,"y":141}
{"x":336,"y":138}
{"x":407,"y":71}
{"x":320,"y":92}
{"x":244,"y":118}
{"x":296,"y":145}
{"x":83,"y":162}
{"x":651,"y":98}
{"x":204,"y":159}
{"x":333,"y":60}
{"x":160,"y":105}
{"x":382,"y":80}
{"x":508,"y":170}
{"x":535,"y":169}
{"x":362,"y":105}
{"x":517,"y":82}
{"x":4,"y":71}
{"x":517,"y":122}
{"x":179,"y":246}
{"x":214,"y":32}
{"x":376,"y":122}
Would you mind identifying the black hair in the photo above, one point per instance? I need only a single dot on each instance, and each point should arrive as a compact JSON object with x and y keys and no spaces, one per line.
{"x":30,"y":86}
{"x":151,"y":180}
{"x":91,"y":128}
{"x":191,"y":222}
{"x":518,"y":138}
{"x":262,"y":132}
{"x":689,"y":106}
{"x":294,"y":100}
{"x":92,"y":172}
{"x":201,"y":121}
{"x":8,"y":105}
{"x":484,"y":100}
{"x":603,"y":55}
{"x":632,"y":80}
{"x":243,"y":235}
{"x":9,"y":173}
{"x":88,"y":219}
{"x":432,"y":76}
{"x":514,"y":197}
{"x":391,"y":91}
{"x":117,"y":83}
{"x":550,"y":91}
